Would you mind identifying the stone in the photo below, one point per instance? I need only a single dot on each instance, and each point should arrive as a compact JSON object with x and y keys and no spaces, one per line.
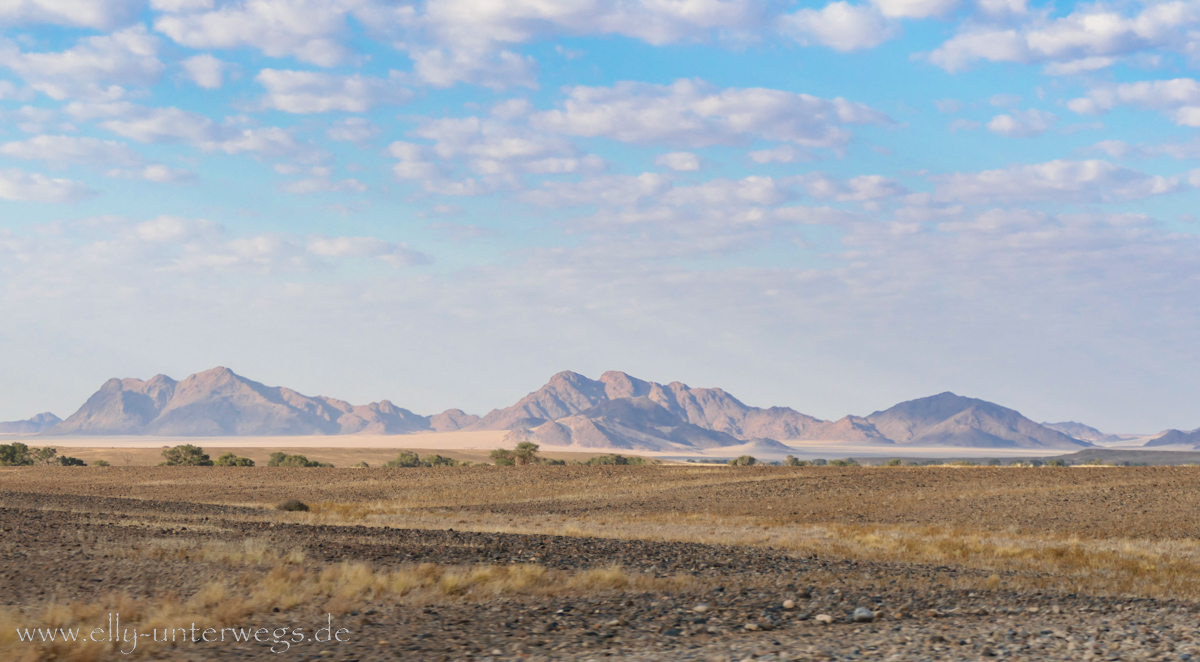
{"x":823,"y":618}
{"x":789,"y":604}
{"x":701,"y":608}
{"x":751,"y":626}
{"x":863,"y":615}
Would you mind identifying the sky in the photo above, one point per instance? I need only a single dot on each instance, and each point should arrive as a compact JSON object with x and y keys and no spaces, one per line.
{"x":833,"y":207}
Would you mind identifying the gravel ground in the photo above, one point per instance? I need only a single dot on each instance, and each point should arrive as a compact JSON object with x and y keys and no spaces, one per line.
{"x":69,"y":548}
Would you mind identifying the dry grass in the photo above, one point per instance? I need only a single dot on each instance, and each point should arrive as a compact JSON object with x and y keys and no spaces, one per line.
{"x":336,"y":589}
{"x":249,"y":551}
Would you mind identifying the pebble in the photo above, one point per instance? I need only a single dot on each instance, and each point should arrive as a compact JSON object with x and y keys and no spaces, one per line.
{"x":863,"y":615}
{"x":824,"y":618}
{"x":701,"y":608}
{"x":789,"y":604}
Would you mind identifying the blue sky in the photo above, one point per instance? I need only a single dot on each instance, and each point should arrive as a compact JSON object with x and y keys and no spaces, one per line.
{"x":833,"y":207}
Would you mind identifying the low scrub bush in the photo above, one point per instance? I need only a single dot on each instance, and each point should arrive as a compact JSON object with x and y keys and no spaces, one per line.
{"x":186,"y":455}
{"x":743,"y":461}
{"x":292,"y":506}
{"x":100,"y":463}
{"x":615,"y":459}
{"x":231,"y":460}
{"x":281,"y":459}
{"x":71,"y":461}
{"x":15,"y":454}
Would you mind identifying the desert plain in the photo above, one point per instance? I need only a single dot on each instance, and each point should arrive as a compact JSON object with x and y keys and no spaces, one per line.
{"x":666,"y":562}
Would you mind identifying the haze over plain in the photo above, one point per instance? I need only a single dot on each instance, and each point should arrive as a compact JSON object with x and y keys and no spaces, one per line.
{"x":442,"y":203}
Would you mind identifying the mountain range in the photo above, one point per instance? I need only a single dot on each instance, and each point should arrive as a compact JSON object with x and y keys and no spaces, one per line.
{"x":616,"y":411}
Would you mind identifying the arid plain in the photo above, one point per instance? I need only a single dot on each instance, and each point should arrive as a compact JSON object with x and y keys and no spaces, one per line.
{"x":632,"y":562}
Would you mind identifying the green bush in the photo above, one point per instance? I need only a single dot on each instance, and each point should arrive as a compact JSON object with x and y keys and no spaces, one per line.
{"x":281,"y":459}
{"x":848,"y":462}
{"x":791,"y":461}
{"x":405,"y":459}
{"x":362,"y":464}
{"x":186,"y":455}
{"x":100,"y":463}
{"x":502,"y":457}
{"x":894,"y":462}
{"x":743,"y":461}
{"x":292,"y":506}
{"x":46,"y":455}
{"x":15,"y":454}
{"x":1056,"y":462}
{"x":231,"y":460}
{"x":819,"y":462}
{"x":615,"y":459}
{"x":993,"y":462}
{"x":438,"y":461}
{"x":526,"y":453}
{"x":71,"y":462}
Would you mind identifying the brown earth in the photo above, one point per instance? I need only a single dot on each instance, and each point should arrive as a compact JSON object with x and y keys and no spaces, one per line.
{"x":591,"y":562}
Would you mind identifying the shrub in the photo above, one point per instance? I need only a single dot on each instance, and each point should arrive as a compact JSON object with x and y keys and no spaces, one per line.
{"x":743,"y":461}
{"x":15,"y":454}
{"x":791,"y":461}
{"x":550,"y":462}
{"x":848,"y":462}
{"x":71,"y":462}
{"x":819,"y":462}
{"x":231,"y":460}
{"x":46,"y":455}
{"x":100,"y":463}
{"x":405,"y":459}
{"x":526,"y":453}
{"x":894,"y":462}
{"x":362,"y":464}
{"x":993,"y":462}
{"x":281,"y":459}
{"x":186,"y":455}
{"x":503,"y":458}
{"x":615,"y":459}
{"x":1056,"y":462}
{"x":292,"y":506}
{"x":438,"y":461}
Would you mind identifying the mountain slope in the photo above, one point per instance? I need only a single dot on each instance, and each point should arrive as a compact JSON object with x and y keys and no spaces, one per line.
{"x":219,"y":402}
{"x":947,"y":419}
{"x":1082,"y":432}
{"x":1172,"y":437}
{"x":571,"y":394}
{"x":32,"y":425}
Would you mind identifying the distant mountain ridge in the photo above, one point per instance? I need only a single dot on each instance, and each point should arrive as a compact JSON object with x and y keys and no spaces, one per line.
{"x":616,"y":411}
{"x":573,"y":410}
{"x":1177,"y":437}
{"x":1085,"y":432}
{"x":42,"y":421}
{"x":219,"y":402}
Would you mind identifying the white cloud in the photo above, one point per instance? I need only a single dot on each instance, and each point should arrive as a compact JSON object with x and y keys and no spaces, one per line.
{"x":206,"y":71}
{"x":914,"y":8}
{"x":497,"y":152}
{"x":158,"y":173}
{"x":863,"y":188}
{"x":653,"y":21}
{"x":354,"y":130}
{"x":396,"y":254}
{"x":127,"y":57}
{"x":496,"y":70}
{"x":313,"y":92}
{"x":1055,"y":181}
{"x":308,"y":30}
{"x":840,"y":26}
{"x":321,"y":181}
{"x":682,"y":161}
{"x":692,"y":113}
{"x":32,"y":187}
{"x":612,"y":190}
{"x":97,"y":14}
{"x":1179,"y":98}
{"x":173,"y":125}
{"x":948,"y":105}
{"x":1089,"y":38}
{"x":63,"y":150}
{"x":1022,"y":123}
{"x":781,"y":154}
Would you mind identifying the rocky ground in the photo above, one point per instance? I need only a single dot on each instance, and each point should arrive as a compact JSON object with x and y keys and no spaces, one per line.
{"x":734,"y":603}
